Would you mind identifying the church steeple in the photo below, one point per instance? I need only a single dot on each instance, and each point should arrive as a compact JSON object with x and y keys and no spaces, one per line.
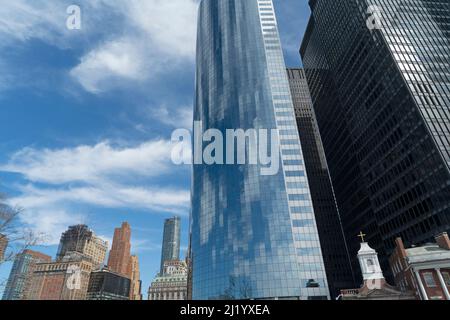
{"x":368,"y":261}
{"x":375,"y":286}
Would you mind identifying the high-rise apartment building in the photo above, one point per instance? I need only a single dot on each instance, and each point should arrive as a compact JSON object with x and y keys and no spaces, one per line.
{"x":3,"y":246}
{"x":171,"y":284}
{"x":335,"y":254}
{"x":81,"y":239}
{"x":378,"y":76}
{"x":21,"y":272}
{"x":120,"y":255}
{"x":254,"y":232}
{"x":135,"y":277}
{"x":107,"y":285}
{"x":171,"y":241}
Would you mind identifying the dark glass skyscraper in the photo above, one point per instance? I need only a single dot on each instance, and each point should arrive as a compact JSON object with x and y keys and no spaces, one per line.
{"x":254,"y":236}
{"x":171,"y":241}
{"x":378,"y":73}
{"x":335,"y":254}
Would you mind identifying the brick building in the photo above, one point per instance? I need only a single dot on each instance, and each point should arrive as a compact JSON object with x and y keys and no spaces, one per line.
{"x":66,"y":279}
{"x":424,"y":269}
{"x":120,"y":255}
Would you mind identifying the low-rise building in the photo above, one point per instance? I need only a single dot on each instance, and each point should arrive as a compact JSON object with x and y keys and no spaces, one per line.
{"x":171,"y":284}
{"x":107,"y":285}
{"x":424,"y":269}
{"x":375,"y":286}
{"x":65,"y":279}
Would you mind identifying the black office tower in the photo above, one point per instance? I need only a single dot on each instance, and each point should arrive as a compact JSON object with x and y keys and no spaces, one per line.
{"x":108,"y":285}
{"x":334,"y":249}
{"x":378,"y":73}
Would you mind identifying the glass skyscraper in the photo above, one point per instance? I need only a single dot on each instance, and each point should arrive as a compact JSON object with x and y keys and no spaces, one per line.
{"x":253,"y":236}
{"x":334,"y":248}
{"x":379,"y":77}
{"x":22,"y":269}
{"x":171,"y":241}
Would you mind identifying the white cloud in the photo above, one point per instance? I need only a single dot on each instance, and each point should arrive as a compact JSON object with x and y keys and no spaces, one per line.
{"x":171,"y":200}
{"x":171,"y":25}
{"x":24,"y":20}
{"x":146,"y":37}
{"x":157,"y":35}
{"x":177,"y":118}
{"x":104,"y":67}
{"x":90,"y":163}
{"x":51,"y":222}
{"x":100,"y":176}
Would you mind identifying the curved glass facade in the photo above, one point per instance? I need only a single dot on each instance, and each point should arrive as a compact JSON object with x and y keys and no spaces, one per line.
{"x":252,"y":236}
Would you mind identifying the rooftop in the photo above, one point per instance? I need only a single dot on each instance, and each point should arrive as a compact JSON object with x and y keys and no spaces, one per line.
{"x":428,"y":252}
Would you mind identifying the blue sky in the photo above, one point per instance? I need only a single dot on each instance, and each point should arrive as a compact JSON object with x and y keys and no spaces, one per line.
{"x":87,"y":115}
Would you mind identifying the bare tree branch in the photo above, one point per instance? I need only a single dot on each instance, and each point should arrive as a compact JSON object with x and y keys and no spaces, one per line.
{"x":17,"y":236}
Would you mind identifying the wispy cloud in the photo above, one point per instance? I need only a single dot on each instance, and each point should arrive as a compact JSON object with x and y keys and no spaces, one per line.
{"x":50,"y":222}
{"x":181,"y":117}
{"x":157,"y":35}
{"x":146,"y":38}
{"x":99,"y":176}
{"x":90,"y":164}
{"x":141,"y":245}
{"x":24,"y":20}
{"x":164,"y":199}
{"x":106,"y":66}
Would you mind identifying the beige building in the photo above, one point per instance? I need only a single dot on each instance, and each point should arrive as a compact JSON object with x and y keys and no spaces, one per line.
{"x":96,"y":249}
{"x":81,"y":239}
{"x":171,"y":284}
{"x":135,"y":277}
{"x":3,"y":246}
{"x":66,"y":279}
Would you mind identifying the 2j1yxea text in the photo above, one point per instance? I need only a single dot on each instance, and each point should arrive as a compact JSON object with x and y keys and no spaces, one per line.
{"x":228,"y":310}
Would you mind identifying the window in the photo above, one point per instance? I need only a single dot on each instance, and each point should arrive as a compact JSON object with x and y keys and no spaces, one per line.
{"x":446,"y":277}
{"x":429,"y":280}
{"x":303,"y":223}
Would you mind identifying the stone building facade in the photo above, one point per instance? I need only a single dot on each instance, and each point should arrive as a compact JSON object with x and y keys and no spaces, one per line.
{"x":171,"y":284}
